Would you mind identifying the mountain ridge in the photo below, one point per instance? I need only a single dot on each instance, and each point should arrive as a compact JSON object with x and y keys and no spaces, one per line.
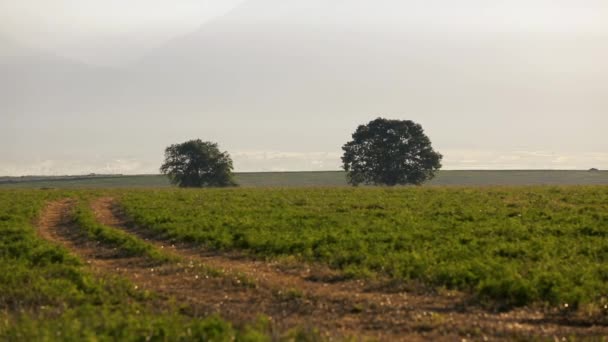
{"x":294,"y":79}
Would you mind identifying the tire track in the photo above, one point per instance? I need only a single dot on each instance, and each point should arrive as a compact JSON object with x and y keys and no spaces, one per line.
{"x":199,"y":291}
{"x":352,"y":308}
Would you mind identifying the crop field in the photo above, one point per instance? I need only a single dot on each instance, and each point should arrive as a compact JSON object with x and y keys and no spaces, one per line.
{"x":510,"y":246}
{"x":320,"y":179}
{"x":48,"y":293}
{"x":257,"y":264}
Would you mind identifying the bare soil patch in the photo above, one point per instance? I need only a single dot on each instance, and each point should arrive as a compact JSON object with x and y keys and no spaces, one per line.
{"x":298,"y":295}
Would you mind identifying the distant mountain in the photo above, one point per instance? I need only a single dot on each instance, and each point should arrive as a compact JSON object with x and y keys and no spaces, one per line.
{"x":290,"y":53}
{"x":36,"y":82}
{"x":10,"y":50}
{"x":7,"y":46}
{"x":301,"y":56}
{"x":283,"y":70}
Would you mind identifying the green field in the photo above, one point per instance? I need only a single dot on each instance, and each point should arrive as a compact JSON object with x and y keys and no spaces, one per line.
{"x":48,"y":294}
{"x":503,"y":247}
{"x":323,"y":179}
{"x":513,"y":246}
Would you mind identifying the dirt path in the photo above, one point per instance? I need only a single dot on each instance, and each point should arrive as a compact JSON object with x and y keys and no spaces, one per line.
{"x":296,"y":296}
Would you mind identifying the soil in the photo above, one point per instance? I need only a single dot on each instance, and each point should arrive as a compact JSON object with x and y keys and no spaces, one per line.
{"x":293,"y":294}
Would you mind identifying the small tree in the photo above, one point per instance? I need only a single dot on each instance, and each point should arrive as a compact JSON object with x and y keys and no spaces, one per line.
{"x":198,"y":164}
{"x":390,"y":152}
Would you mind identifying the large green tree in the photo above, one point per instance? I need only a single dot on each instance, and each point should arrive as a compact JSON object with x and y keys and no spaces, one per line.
{"x":390,"y":152}
{"x":196,"y":163}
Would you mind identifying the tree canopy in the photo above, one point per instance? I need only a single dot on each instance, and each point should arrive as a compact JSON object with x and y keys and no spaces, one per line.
{"x":196,"y":163}
{"x":390,"y":152}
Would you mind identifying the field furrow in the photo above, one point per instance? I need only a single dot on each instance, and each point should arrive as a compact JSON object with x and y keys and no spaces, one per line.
{"x":313,"y":293}
{"x":195,"y":289}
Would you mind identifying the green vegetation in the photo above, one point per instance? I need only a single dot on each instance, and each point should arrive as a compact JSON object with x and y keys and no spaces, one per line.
{"x":390,"y":152}
{"x":197,"y":164}
{"x":88,"y":323}
{"x":46,"y":294}
{"x":507,"y":246}
{"x":32,"y":272}
{"x":317,"y":179}
{"x":127,"y":243}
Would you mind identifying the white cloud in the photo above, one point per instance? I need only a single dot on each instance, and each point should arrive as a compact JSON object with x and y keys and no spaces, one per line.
{"x":105,"y":32}
{"x":285,"y":161}
{"x":256,"y":161}
{"x":71,"y":167}
{"x":485,"y":159}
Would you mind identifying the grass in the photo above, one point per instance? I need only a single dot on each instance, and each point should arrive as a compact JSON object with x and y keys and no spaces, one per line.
{"x":47,"y":294}
{"x":90,"y":324}
{"x":127,"y":243}
{"x":316,"y":179}
{"x":506,"y":246}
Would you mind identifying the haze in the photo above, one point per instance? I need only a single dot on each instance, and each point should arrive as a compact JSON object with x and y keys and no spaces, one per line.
{"x":105,"y":86}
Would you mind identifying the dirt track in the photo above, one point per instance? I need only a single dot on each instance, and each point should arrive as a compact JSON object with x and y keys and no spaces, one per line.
{"x":298,"y":295}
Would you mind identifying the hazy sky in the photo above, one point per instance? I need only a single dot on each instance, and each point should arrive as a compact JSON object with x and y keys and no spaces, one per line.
{"x":105,"y":85}
{"x":105,"y":31}
{"x":59,"y":20}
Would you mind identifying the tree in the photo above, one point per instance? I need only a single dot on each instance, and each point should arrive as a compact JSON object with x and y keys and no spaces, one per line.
{"x":390,"y":152}
{"x":197,"y":164}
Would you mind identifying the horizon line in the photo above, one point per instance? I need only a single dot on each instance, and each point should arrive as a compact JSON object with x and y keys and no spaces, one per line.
{"x":92,"y":174}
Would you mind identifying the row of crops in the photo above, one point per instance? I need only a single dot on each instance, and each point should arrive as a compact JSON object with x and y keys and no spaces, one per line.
{"x":512,"y":246}
{"x":47,"y":294}
{"x":503,"y":246}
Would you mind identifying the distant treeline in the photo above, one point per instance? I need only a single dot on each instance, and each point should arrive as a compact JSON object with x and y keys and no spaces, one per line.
{"x":28,"y":179}
{"x":319,"y":179}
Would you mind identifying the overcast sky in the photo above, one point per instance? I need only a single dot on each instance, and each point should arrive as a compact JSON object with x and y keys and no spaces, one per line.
{"x":107,"y":84}
{"x":105,"y":31}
